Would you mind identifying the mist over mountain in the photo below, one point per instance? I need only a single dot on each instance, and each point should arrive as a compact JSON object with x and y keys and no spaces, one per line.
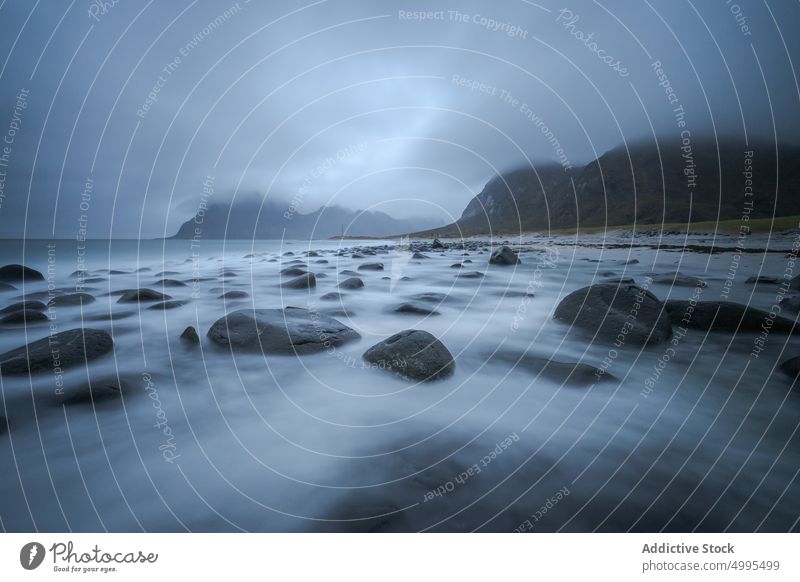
{"x":254,"y":219}
{"x":645,"y":183}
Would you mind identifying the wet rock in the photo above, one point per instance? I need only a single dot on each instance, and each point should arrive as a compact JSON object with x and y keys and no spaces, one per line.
{"x":762,"y":280}
{"x":679,"y":280}
{"x":565,"y":373}
{"x":429,"y":297}
{"x":279,"y":331}
{"x":23,"y":317}
{"x":333,"y":296}
{"x":98,"y":392}
{"x":19,"y":306}
{"x":357,"y":256}
{"x":164,"y":305}
{"x":190,"y":336}
{"x":7,"y":287}
{"x":141,"y":296}
{"x":14,"y":273}
{"x":169,"y":283}
{"x":65,"y":350}
{"x":234,"y":295}
{"x":725,"y":316}
{"x":437,"y":244}
{"x":419,"y":255}
{"x":470,"y":275}
{"x":95,"y":280}
{"x":108,"y":316}
{"x":413,"y":354}
{"x":293,"y":271}
{"x":456,"y":266}
{"x":351,"y":283}
{"x":70,"y":300}
{"x":504,"y":256}
{"x":415,"y":308}
{"x":348,"y":273}
{"x":371,"y":267}
{"x":307,"y":281}
{"x":609,"y":312}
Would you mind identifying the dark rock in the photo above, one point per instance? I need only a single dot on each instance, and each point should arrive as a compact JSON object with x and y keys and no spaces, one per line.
{"x":357,"y":256}
{"x":164,"y":305}
{"x":333,"y":296}
{"x":97,"y":392}
{"x":566,"y":373}
{"x":791,"y":367}
{"x":307,"y":281}
{"x":65,"y":349}
{"x":224,"y":274}
{"x":169,"y":283}
{"x":293,"y":271}
{"x":108,"y":316}
{"x":413,"y":354}
{"x":419,"y":255}
{"x":456,"y":266}
{"x":23,"y":316}
{"x":190,"y":336}
{"x":724,"y":316}
{"x":14,"y":273}
{"x":234,"y":295}
{"x":470,"y":275}
{"x":29,"y":305}
{"x":429,"y":297}
{"x":371,"y":267}
{"x":166,"y":273}
{"x":7,"y":287}
{"x":678,"y":280}
{"x":142,"y":295}
{"x":351,"y":283}
{"x":504,"y":256}
{"x":95,"y":280}
{"x":607,"y":311}
{"x":71,"y":299}
{"x":437,"y":244}
{"x":279,"y":331}
{"x":414,"y":308}
{"x":763,"y":280}
{"x":349,"y":273}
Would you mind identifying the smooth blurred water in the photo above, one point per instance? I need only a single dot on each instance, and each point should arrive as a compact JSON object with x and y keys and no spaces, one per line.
{"x":322,"y":442}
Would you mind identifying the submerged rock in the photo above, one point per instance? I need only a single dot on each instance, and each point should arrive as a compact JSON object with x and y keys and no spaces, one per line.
{"x":24,"y":316}
{"x":14,"y":273}
{"x":65,"y":350}
{"x":566,"y":373}
{"x":19,"y":306}
{"x":190,"y":336}
{"x":762,"y":279}
{"x":612,"y":312}
{"x":307,"y":281}
{"x":504,"y":256}
{"x":413,"y":354}
{"x":332,"y":296}
{"x":371,"y":267}
{"x":679,"y":280}
{"x":280,"y":331}
{"x":97,"y":392}
{"x":351,"y":283}
{"x":234,"y":295}
{"x":71,"y":299}
{"x":169,"y":283}
{"x":415,"y":308}
{"x":142,"y":295}
{"x":724,"y":316}
{"x":164,"y":305}
{"x":430,"y":297}
{"x":293,"y":271}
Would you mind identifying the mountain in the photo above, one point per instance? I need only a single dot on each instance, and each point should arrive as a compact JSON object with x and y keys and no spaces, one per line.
{"x":645,"y":183}
{"x":254,"y":219}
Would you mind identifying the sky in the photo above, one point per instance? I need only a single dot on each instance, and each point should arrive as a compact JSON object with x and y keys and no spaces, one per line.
{"x":119,"y":118}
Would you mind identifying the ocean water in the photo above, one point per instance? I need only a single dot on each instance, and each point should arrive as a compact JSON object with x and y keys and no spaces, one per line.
{"x":205,"y":441}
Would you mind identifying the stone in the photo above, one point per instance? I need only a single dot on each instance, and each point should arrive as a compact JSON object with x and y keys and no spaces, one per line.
{"x":189,"y":335}
{"x":726,"y":317}
{"x":66,"y":349}
{"x":504,"y":256}
{"x":351,"y":283}
{"x":142,"y":295}
{"x":412,"y":354}
{"x":307,"y":281}
{"x":15,"y":273}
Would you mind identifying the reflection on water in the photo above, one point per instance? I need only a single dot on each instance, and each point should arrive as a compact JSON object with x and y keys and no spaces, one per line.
{"x":203,"y":440}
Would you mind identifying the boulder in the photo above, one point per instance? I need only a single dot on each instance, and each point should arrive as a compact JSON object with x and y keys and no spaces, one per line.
{"x":437,"y":244}
{"x":371,"y":267}
{"x":189,"y":335}
{"x":234,"y":295}
{"x":609,"y":312}
{"x":419,"y":255}
{"x":351,"y":283}
{"x":164,"y":305}
{"x":169,"y":283}
{"x":23,"y":316}
{"x":14,"y":273}
{"x":142,"y":295}
{"x":415,"y":308}
{"x":307,"y":281}
{"x":279,"y":331}
{"x":7,"y":287}
{"x":504,"y":256}
{"x":333,"y":296}
{"x":727,"y":317}
{"x":470,"y":275}
{"x":71,"y":299}
{"x":65,"y":350}
{"x":413,"y":354}
{"x":97,"y":392}
{"x":293,"y":271}
{"x":30,"y":305}
{"x":565,"y":373}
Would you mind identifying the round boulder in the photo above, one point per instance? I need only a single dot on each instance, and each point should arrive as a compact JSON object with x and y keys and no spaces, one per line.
{"x":504,"y":256}
{"x":413,"y":354}
{"x":65,"y":350}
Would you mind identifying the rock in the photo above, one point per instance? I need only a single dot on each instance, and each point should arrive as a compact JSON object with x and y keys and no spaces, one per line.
{"x":342,"y":312}
{"x":357,"y":256}
{"x":794,"y":284}
{"x":371,"y":267}
{"x":456,"y":266}
{"x":97,"y":392}
{"x":307,"y":281}
{"x":321,"y":262}
{"x":24,"y":316}
{"x":470,"y":275}
{"x":762,"y":279}
{"x":14,"y":273}
{"x":225,"y":274}
{"x":322,"y":275}
{"x":234,"y":295}
{"x":3,"y":425}
{"x":190,"y":336}
{"x":679,"y":280}
{"x":95,"y":280}
{"x":620,"y":281}
{"x":30,"y":305}
{"x":413,"y":354}
{"x":169,"y":283}
{"x":279,"y":331}
{"x":437,"y":244}
{"x":293,"y":271}
{"x":791,"y":304}
{"x":65,"y":350}
{"x":142,"y":295}
{"x":419,"y":255}
{"x":791,"y":367}
{"x":333,"y":296}
{"x":108,"y":316}
{"x":7,"y":287}
{"x":351,"y":283}
{"x":429,"y":297}
{"x":71,"y":299}
{"x":414,"y":308}
{"x":349,"y":273}
{"x":565,"y":373}
{"x":164,"y":305}
{"x":724,"y":316}
{"x":504,"y":256}
{"x":606,"y":311}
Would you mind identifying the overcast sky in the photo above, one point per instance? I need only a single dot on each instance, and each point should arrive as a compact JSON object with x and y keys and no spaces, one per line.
{"x":356,"y":103}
